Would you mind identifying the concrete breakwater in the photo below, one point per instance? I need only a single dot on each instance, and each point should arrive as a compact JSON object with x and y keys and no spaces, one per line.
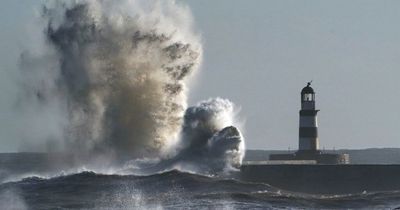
{"x":325,"y":179}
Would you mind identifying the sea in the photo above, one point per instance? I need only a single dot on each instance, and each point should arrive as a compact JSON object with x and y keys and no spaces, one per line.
{"x":24,"y":186}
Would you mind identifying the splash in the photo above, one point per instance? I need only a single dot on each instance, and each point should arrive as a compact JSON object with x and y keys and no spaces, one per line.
{"x":120,"y":74}
{"x":208,"y":134}
{"x":123,"y":75}
{"x":11,"y":199}
{"x":209,"y":143}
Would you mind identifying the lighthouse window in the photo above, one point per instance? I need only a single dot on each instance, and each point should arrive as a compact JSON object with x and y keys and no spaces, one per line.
{"x":308,"y":97}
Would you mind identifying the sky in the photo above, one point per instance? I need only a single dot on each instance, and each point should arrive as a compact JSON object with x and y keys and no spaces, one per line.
{"x":260,"y":54}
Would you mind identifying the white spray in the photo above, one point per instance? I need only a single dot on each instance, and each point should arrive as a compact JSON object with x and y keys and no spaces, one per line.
{"x":120,"y":75}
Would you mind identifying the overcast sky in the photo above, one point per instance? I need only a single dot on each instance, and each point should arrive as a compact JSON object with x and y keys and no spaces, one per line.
{"x":260,"y":54}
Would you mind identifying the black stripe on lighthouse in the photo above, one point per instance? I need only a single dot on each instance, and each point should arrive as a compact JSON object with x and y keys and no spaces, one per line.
{"x":311,"y":132}
{"x":308,"y":112}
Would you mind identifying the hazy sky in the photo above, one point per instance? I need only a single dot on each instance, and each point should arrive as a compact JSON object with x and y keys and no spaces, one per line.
{"x":260,"y":54}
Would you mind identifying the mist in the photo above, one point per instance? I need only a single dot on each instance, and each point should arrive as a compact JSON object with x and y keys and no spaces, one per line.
{"x":108,"y":83}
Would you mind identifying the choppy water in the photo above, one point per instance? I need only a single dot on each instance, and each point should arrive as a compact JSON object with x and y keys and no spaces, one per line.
{"x":170,"y":190}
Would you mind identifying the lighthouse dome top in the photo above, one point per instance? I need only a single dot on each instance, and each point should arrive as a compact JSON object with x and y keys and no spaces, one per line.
{"x":307,"y":89}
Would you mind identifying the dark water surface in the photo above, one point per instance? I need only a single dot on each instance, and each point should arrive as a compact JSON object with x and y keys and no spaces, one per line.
{"x":21,"y":188}
{"x":170,"y":190}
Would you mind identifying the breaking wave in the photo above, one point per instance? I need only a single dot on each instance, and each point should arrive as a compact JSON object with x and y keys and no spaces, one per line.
{"x":117,"y":74}
{"x":172,"y":190}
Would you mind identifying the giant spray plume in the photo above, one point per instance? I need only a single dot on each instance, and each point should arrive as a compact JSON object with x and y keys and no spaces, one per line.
{"x":121,"y":72}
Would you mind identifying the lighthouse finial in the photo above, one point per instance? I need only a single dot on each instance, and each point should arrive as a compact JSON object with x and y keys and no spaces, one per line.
{"x":309,"y":83}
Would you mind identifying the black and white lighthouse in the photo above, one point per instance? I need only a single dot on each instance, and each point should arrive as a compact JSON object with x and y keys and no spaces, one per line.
{"x":309,"y":152}
{"x":308,"y":125}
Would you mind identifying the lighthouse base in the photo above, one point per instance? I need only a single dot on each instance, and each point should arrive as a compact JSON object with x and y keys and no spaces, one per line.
{"x":317,"y":156}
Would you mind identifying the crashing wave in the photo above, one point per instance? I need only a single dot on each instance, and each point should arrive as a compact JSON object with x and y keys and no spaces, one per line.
{"x":121,"y":72}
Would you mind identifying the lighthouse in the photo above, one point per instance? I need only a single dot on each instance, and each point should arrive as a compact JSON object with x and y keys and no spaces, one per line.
{"x":308,"y":124}
{"x":309,"y":152}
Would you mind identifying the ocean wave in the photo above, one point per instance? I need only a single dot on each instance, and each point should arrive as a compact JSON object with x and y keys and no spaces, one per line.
{"x":175,"y":189}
